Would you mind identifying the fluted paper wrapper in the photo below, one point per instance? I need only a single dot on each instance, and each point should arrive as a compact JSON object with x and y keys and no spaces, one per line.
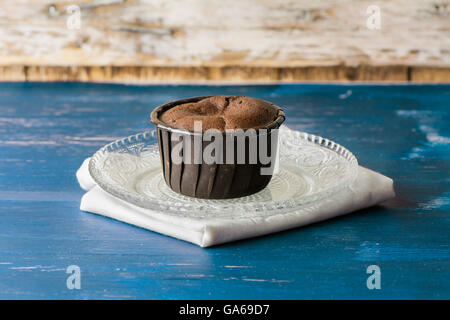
{"x":217,"y":180}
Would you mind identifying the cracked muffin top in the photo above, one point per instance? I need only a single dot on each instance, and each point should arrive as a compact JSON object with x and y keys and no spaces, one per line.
{"x":221,"y":112}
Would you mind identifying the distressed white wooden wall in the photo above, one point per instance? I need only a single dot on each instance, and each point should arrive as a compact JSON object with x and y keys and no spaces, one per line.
{"x":276,"y":33}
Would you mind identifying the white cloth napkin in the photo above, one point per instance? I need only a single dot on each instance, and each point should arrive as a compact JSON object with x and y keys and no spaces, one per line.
{"x":368,"y":189}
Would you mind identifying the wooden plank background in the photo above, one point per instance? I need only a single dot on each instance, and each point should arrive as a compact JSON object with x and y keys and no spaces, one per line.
{"x":233,"y":40}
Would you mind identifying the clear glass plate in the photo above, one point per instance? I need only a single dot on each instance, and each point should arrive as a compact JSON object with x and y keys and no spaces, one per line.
{"x":311,"y":169}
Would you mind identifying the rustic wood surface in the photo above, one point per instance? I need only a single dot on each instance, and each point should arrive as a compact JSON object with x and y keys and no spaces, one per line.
{"x":234,"y":40}
{"x":48,"y":129}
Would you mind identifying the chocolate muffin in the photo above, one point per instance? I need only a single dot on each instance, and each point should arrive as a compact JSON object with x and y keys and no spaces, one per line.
{"x":246,"y":127}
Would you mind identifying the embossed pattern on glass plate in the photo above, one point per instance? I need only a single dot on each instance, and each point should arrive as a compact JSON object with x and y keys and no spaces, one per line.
{"x":311,"y":169}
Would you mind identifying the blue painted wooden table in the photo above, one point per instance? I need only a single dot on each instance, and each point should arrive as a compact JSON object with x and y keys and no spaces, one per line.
{"x":46,"y":130}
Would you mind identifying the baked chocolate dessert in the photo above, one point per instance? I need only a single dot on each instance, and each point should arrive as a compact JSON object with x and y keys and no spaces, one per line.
{"x":247,"y":127}
{"x":221,"y":112}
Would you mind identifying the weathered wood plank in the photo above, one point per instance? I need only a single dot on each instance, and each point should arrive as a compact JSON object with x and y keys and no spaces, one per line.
{"x":147,"y":74}
{"x":48,"y":129}
{"x":256,"y":40}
